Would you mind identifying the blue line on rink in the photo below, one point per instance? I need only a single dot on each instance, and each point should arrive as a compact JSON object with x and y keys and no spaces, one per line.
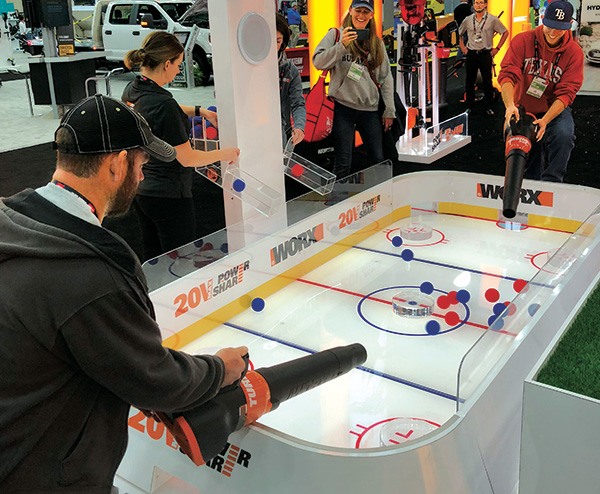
{"x":272,"y":338}
{"x":420,"y":387}
{"x":451,"y":266}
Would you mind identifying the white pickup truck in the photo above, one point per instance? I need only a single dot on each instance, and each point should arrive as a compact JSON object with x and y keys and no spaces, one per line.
{"x":118,"y":26}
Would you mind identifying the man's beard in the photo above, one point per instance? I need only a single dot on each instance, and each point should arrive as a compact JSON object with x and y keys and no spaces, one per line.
{"x":124,"y":196}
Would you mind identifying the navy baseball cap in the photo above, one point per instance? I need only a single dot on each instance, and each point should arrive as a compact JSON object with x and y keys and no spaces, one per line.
{"x":363,"y":3}
{"x":558,"y":15}
{"x":100,"y":124}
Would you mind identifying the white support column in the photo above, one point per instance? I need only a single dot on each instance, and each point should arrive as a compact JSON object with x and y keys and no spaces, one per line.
{"x":247,"y":96}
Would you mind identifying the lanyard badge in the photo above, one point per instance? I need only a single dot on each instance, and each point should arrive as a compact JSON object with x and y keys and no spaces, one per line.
{"x":539,"y":84}
{"x":355,"y":72}
{"x":478,"y":36}
{"x":537,"y":87}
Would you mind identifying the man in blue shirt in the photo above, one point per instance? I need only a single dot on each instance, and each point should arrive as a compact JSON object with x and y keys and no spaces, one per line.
{"x":294,"y":20}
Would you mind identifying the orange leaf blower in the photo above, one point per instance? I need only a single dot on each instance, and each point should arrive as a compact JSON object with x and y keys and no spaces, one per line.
{"x":203,"y":431}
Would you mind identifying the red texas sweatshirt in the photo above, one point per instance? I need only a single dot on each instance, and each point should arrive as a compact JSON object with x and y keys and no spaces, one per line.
{"x":519,"y":68}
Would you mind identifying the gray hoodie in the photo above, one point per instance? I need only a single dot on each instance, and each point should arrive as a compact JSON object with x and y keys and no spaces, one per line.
{"x":362,"y":95}
{"x":292,"y":100}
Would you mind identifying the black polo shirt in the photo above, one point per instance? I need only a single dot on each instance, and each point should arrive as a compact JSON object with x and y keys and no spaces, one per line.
{"x":168,"y":122}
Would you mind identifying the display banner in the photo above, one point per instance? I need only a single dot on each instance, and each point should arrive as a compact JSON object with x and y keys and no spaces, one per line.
{"x":589,"y":39}
{"x":590,"y":11}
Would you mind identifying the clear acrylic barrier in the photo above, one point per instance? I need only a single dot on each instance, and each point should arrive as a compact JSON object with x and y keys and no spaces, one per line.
{"x":306,"y":172}
{"x":446,"y":134}
{"x":237,"y":182}
{"x":205,"y":144}
{"x":194,"y":256}
{"x":439,"y":139}
{"x":242,"y":185}
{"x":518,"y":318}
{"x":313,"y":202}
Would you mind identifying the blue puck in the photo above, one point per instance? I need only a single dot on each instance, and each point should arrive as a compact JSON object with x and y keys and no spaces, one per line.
{"x":497,"y":325}
{"x":532,"y":309}
{"x":258,"y":304}
{"x":499,"y":308}
{"x":463,"y":296}
{"x":397,"y":241}
{"x":407,"y":255}
{"x":238,"y":185}
{"x":426,"y":287}
{"x":432,"y":327}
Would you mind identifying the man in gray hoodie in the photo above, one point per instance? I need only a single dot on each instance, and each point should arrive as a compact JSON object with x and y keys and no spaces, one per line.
{"x":78,"y":339}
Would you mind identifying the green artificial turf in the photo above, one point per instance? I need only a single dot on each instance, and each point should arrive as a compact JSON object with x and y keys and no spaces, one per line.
{"x":575,"y":363}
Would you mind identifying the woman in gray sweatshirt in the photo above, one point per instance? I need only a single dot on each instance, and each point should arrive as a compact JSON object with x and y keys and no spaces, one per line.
{"x":355,"y":92}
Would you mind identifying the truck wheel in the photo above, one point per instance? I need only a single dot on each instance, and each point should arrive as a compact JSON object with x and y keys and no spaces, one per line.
{"x":202,"y":69}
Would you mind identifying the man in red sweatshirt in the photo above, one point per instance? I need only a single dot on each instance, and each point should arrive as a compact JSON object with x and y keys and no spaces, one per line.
{"x":542,"y":71}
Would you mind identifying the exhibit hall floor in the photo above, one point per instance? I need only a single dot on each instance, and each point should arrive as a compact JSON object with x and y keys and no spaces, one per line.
{"x":20,"y":129}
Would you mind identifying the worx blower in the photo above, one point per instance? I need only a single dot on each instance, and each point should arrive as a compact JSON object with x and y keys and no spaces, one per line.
{"x":519,"y":136}
{"x":203,"y":431}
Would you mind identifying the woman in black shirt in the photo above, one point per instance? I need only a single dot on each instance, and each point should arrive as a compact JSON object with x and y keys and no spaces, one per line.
{"x":164,"y":200}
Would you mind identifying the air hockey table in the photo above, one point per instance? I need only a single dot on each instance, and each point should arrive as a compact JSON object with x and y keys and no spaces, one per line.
{"x":436,"y":407}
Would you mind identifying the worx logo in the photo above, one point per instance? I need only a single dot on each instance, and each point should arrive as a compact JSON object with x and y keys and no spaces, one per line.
{"x":227,"y":459}
{"x":296,"y":244}
{"x":528,"y":196}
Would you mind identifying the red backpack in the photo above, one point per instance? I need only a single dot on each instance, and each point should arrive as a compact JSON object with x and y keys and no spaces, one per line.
{"x":319,"y":109}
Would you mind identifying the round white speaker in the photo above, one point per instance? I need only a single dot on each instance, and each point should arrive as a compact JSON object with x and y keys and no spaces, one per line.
{"x":254,"y":37}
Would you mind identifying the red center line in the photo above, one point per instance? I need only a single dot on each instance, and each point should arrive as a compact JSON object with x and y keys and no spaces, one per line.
{"x":355,"y":294}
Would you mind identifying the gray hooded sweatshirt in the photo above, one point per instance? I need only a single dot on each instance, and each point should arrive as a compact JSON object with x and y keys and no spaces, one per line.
{"x":362,"y":95}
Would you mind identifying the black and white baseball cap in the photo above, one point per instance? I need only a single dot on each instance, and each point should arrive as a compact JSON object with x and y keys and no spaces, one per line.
{"x":100,"y":124}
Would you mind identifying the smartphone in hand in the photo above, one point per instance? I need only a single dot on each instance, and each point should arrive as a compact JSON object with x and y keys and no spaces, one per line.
{"x":362,"y":34}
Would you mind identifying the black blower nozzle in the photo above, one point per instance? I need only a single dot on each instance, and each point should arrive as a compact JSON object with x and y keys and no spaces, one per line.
{"x":519,"y":136}
{"x":203,"y":432}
